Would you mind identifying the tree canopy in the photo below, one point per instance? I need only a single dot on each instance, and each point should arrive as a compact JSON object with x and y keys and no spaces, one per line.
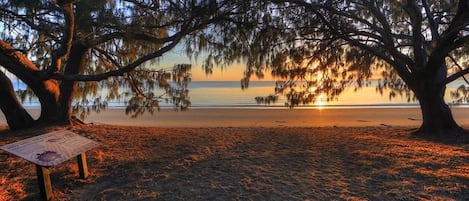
{"x":318,"y":48}
{"x":51,"y":45}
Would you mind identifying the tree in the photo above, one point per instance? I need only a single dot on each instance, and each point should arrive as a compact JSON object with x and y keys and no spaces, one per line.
{"x":317,"y":48}
{"x":60,"y":49}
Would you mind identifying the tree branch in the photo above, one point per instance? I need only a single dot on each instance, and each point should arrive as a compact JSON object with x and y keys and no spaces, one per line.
{"x":400,"y":61}
{"x":66,"y":42}
{"x":42,"y":28}
{"x":123,"y":70}
{"x":108,"y":57}
{"x":446,"y":42}
{"x":460,"y":42}
{"x":458,"y":74}
{"x":431,"y":21}
{"x":15,"y":62}
{"x":415,"y":14}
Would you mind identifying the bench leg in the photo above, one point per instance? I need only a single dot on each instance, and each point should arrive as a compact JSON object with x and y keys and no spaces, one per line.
{"x":43,"y":178}
{"x":82,"y":166}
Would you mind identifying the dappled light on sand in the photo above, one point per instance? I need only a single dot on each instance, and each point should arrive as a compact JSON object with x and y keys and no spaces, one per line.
{"x":11,"y":188}
{"x":283,"y":163}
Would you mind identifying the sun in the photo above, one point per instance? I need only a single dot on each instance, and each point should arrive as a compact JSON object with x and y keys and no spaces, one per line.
{"x":319,"y":102}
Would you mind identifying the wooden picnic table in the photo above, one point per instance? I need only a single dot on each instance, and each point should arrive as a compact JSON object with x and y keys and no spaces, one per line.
{"x":51,"y":149}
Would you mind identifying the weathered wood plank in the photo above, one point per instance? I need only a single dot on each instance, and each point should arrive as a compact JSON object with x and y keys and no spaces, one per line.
{"x":82,"y":166}
{"x":43,"y":179}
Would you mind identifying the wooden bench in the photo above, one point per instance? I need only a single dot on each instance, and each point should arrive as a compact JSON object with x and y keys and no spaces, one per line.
{"x":52,"y":149}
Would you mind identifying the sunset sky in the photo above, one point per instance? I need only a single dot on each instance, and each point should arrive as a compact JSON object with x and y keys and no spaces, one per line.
{"x":232,"y":73}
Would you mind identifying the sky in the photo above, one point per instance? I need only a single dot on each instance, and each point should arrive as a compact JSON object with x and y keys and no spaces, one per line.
{"x":231,"y":73}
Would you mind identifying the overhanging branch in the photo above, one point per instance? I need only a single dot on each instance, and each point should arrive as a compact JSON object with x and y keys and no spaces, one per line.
{"x":431,"y":21}
{"x":415,"y":14}
{"x":66,"y":42}
{"x":458,"y":74}
{"x":15,"y":62}
{"x":125,"y":69}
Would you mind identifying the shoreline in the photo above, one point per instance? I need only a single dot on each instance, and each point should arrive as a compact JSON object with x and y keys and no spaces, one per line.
{"x":248,"y":117}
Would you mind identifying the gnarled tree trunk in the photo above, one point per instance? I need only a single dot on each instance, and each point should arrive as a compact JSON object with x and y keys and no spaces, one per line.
{"x":437,"y":116}
{"x":17,"y":117}
{"x":48,"y":94}
{"x":67,"y":87}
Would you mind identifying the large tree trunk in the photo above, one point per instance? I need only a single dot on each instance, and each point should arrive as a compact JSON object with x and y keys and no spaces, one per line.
{"x":436,"y":114}
{"x":48,"y":94}
{"x":67,"y":87}
{"x":17,"y":117}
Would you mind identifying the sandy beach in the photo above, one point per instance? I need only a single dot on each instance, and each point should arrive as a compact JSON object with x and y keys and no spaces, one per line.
{"x":227,"y":154}
{"x":226,"y":117}
{"x":235,"y":117}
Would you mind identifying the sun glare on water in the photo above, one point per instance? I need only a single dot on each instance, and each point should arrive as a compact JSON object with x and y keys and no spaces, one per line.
{"x":320,"y":102}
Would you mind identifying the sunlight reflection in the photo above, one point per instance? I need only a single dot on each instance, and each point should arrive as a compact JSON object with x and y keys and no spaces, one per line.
{"x":320,"y":101}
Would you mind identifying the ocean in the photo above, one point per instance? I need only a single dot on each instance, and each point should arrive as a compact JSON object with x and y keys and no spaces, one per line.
{"x":228,"y":94}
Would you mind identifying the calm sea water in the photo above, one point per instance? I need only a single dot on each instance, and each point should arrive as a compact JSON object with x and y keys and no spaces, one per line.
{"x":213,"y":94}
{"x":230,"y":94}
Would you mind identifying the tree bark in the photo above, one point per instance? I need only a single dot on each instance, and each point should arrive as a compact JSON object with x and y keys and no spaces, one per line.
{"x":17,"y":117}
{"x":67,"y":87}
{"x":48,"y":94}
{"x":437,"y":116}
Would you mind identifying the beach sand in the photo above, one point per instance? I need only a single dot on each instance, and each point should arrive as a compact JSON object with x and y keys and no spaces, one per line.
{"x":252,"y":155}
{"x":235,"y":117}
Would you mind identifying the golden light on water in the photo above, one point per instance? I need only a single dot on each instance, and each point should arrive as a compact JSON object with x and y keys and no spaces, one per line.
{"x":320,"y":103}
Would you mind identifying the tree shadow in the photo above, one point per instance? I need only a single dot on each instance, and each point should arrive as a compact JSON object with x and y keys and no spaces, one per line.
{"x":449,"y":138}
